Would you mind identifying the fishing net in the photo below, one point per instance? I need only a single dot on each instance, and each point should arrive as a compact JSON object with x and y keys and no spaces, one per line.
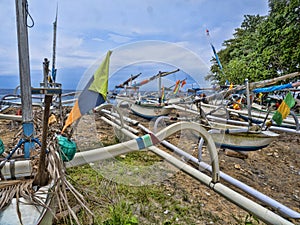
{"x":67,"y":148}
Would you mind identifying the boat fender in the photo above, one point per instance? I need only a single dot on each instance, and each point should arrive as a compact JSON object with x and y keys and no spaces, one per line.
{"x":1,"y":147}
{"x":67,"y":148}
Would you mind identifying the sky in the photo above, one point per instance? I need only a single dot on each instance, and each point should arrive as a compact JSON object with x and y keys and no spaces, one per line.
{"x":145,"y":36}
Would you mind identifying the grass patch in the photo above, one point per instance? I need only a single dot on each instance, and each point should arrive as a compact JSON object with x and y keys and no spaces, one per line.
{"x":114,"y":203}
{"x":142,"y":158}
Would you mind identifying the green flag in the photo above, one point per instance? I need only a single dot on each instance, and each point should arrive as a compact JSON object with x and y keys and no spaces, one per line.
{"x":100,"y":83}
{"x":94,"y":93}
{"x":284,"y":109}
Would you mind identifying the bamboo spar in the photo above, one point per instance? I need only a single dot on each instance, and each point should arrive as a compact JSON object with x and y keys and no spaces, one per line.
{"x":272,"y":81}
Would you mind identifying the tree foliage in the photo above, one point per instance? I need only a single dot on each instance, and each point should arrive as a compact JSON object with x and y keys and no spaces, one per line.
{"x":263,"y":47}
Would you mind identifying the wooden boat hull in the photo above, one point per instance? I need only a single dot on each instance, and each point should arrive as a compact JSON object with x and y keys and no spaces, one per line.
{"x":150,"y":111}
{"x":240,"y":138}
{"x":245,"y":141}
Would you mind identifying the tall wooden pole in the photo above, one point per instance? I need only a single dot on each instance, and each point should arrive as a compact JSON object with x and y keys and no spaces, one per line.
{"x":42,"y":176}
{"x":24,"y":69}
{"x":24,"y":66}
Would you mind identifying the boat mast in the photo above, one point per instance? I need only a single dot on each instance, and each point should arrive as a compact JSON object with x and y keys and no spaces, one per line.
{"x":54,"y":47}
{"x":24,"y":73}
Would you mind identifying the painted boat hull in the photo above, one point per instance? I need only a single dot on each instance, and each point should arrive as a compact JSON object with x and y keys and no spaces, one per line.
{"x":245,"y":141}
{"x":239,"y":138}
{"x":150,"y":111}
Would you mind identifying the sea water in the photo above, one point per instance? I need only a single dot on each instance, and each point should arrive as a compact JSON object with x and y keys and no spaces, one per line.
{"x":5,"y":93}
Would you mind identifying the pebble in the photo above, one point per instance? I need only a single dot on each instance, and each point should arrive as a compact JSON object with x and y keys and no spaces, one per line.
{"x":237,"y":166}
{"x":296,"y":197}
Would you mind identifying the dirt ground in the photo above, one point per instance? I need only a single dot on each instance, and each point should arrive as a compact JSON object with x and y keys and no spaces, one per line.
{"x":273,"y":171}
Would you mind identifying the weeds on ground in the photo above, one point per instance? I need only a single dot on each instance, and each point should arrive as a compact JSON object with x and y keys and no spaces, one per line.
{"x":248,"y":220}
{"x":116,"y":203}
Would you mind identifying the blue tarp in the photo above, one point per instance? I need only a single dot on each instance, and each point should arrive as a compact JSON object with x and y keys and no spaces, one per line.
{"x":272,"y":88}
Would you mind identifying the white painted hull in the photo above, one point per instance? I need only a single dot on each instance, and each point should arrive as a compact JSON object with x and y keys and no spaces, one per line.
{"x":239,"y":138}
{"x":150,"y":111}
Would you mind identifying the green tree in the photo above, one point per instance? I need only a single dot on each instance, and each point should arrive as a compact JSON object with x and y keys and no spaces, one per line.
{"x":263,"y":47}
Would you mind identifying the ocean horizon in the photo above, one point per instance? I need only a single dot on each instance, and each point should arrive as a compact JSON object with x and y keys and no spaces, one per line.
{"x":8,"y":91}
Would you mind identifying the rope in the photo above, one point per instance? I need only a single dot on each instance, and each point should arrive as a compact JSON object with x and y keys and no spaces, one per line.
{"x":28,"y":14}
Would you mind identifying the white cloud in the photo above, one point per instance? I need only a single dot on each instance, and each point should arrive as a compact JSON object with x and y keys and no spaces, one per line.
{"x":98,"y":39}
{"x":119,"y":39}
{"x":87,"y":29}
